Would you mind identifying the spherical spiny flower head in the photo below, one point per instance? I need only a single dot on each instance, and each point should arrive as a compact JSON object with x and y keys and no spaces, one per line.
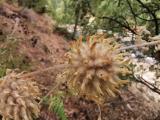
{"x":94,"y":68}
{"x":18,"y":98}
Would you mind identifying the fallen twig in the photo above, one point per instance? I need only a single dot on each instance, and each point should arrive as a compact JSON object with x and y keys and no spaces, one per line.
{"x":100,"y":113}
{"x":149,"y":85}
{"x":139,"y":45}
{"x":15,"y":26}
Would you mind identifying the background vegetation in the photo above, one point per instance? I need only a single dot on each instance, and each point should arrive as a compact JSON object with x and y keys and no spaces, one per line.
{"x":115,"y":15}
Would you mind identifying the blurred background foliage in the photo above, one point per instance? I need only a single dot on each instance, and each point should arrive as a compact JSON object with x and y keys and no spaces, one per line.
{"x":115,"y":15}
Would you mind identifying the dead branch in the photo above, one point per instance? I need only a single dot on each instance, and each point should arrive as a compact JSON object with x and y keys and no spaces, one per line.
{"x":139,"y":45}
{"x":149,"y":85}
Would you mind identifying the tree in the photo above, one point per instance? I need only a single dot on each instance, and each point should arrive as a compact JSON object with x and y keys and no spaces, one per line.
{"x":128,"y":13}
{"x":115,"y":15}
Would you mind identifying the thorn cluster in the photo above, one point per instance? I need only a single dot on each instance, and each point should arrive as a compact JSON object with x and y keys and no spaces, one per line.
{"x":18,"y":98}
{"x":94,"y":68}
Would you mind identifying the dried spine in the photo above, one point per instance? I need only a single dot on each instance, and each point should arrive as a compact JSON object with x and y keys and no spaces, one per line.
{"x":94,"y":68}
{"x":18,"y":98}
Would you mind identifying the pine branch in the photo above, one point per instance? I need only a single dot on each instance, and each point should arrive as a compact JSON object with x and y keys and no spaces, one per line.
{"x":126,"y":26}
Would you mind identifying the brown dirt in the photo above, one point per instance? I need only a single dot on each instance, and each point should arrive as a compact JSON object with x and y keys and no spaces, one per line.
{"x":124,"y":107}
{"x":43,"y":49}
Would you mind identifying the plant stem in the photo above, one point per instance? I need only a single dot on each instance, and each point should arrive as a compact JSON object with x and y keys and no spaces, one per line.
{"x":44,"y":70}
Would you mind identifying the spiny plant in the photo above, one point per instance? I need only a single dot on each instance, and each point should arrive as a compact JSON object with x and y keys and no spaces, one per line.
{"x":18,"y":98}
{"x":94,"y":68}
